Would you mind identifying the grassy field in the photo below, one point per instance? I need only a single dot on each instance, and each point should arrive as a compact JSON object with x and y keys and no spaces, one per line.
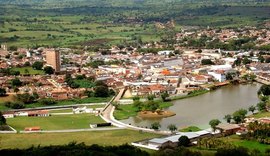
{"x":31,"y":71}
{"x":235,"y":140}
{"x":126,"y":111}
{"x":190,"y":129}
{"x":89,"y":138}
{"x":261,"y":115}
{"x":75,"y":121}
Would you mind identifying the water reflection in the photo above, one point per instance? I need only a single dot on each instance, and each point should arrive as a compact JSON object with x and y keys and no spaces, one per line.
{"x":201,"y":109}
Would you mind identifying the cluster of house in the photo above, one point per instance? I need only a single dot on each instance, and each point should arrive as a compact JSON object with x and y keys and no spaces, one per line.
{"x":224,"y":35}
{"x":142,"y":74}
{"x":32,"y":113}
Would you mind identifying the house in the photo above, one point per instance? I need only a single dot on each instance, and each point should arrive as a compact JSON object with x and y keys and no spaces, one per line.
{"x":228,"y":129}
{"x":39,"y":113}
{"x":157,"y":89}
{"x":9,"y":114}
{"x":32,"y":129}
{"x":157,"y":142}
{"x":218,"y":75}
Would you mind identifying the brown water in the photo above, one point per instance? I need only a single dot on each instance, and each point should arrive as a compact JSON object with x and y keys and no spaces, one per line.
{"x":199,"y":110}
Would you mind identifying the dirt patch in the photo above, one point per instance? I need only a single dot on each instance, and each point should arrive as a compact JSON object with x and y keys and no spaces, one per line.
{"x":159,"y":114}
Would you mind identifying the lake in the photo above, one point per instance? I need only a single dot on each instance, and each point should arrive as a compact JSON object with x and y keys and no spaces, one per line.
{"x":199,"y":110}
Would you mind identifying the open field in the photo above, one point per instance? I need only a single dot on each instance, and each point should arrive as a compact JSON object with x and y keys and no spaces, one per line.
{"x":115,"y":137}
{"x":75,"y":121}
{"x":107,"y":23}
{"x":261,"y":115}
{"x":28,"y":70}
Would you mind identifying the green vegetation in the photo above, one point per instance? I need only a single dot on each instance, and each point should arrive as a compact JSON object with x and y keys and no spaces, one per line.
{"x":191,"y":94}
{"x":28,"y":70}
{"x":74,"y":121}
{"x":126,"y":111}
{"x":155,"y":126}
{"x":236,"y":140}
{"x":94,"y":137}
{"x":261,"y":115}
{"x":64,"y":102}
{"x":84,"y":83}
{"x":190,"y":129}
{"x":79,"y":149}
{"x":107,"y":22}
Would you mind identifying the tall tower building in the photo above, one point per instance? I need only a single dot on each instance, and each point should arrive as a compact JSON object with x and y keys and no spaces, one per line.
{"x":53,"y":59}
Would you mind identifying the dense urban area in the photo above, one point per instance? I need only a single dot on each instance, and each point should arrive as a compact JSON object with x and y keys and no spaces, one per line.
{"x":132,"y":78}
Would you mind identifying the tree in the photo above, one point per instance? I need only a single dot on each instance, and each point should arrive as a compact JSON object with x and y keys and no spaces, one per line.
{"x":239,"y":115}
{"x":111,"y":92}
{"x":136,"y":98}
{"x":25,"y":98}
{"x":37,"y":65}
{"x":3,"y":92}
{"x":207,"y":62}
{"x":252,"y":109}
{"x":261,"y":106}
{"x":151,"y":97}
{"x":155,"y":126}
{"x":16,"y":90}
{"x":183,"y":141}
{"x":101,"y":91}
{"x":164,"y":96}
{"x":246,"y":61}
{"x":138,"y":104}
{"x":26,"y":71}
{"x":229,"y":76}
{"x":152,"y":106}
{"x":100,"y":83}
{"x":264,"y":90}
{"x":27,"y":64}
{"x":228,"y":118}
{"x":16,"y":82}
{"x":213,"y":123}
{"x":235,"y":151}
{"x":2,"y":119}
{"x":172,"y":127}
{"x":48,"y":70}
{"x":47,"y":101}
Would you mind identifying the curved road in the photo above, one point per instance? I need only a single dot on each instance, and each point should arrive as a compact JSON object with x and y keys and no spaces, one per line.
{"x":107,"y":115}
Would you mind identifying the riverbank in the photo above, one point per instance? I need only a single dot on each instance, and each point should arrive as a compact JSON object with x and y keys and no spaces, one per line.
{"x":191,"y":94}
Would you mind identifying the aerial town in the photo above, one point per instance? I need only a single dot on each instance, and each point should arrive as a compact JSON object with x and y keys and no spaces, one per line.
{"x":135,"y":77}
{"x":125,"y":75}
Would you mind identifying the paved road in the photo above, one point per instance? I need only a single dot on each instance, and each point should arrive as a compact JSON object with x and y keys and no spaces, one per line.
{"x":107,"y":115}
{"x":58,"y":107}
{"x":73,"y":130}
